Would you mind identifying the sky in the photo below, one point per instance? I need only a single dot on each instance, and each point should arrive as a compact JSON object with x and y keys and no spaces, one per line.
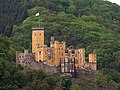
{"x":115,"y":1}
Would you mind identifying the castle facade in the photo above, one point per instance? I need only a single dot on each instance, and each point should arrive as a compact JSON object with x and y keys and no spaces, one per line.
{"x":57,"y":54}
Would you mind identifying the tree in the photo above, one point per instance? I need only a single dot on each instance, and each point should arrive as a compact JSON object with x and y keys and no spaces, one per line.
{"x":66,"y":82}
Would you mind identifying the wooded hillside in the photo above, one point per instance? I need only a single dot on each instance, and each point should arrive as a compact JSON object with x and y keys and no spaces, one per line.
{"x":90,"y":24}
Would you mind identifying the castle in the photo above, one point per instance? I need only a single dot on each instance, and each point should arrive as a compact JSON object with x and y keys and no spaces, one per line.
{"x":57,"y":55}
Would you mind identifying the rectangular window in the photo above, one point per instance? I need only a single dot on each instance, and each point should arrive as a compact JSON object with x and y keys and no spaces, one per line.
{"x":40,"y":53}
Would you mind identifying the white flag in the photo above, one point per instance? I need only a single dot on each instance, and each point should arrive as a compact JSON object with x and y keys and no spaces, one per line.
{"x":37,"y":14}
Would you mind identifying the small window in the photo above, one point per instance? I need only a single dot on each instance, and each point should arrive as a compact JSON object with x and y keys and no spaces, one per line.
{"x":35,"y":34}
{"x":40,"y":53}
{"x":40,"y":34}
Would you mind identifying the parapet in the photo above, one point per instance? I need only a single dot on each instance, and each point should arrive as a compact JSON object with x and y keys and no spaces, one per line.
{"x":37,"y":28}
{"x":81,"y":50}
{"x":57,"y":42}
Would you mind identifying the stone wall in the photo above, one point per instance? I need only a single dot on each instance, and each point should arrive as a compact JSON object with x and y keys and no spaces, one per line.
{"x":27,"y":60}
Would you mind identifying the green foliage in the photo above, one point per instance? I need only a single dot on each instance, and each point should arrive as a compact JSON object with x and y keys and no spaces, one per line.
{"x":12,"y":78}
{"x":12,"y":12}
{"x":7,"y":51}
{"x":40,"y":85}
{"x":51,"y":80}
{"x":107,"y":78}
{"x":75,"y":87}
{"x":90,"y":24}
{"x":66,"y":82}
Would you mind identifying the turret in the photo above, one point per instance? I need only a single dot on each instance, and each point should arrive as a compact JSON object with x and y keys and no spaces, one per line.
{"x":37,"y":39}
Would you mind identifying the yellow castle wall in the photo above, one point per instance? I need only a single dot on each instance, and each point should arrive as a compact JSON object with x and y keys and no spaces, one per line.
{"x":50,"y":57}
{"x":56,"y":52}
{"x":37,"y":40}
{"x":92,"y":58}
{"x":79,"y":56}
{"x":45,"y":54}
{"x":42,"y":54}
{"x":59,"y":52}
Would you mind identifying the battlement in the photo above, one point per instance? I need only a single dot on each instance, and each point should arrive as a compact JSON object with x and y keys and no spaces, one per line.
{"x":37,"y":28}
{"x":62,"y":42}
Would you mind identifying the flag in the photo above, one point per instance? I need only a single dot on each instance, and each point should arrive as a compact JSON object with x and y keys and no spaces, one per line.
{"x":37,"y":14}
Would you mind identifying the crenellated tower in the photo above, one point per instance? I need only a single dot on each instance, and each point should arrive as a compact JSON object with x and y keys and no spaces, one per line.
{"x":37,"y":39}
{"x":58,"y":49}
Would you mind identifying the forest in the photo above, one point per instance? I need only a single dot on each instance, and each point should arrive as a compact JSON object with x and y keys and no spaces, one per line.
{"x":90,"y":24}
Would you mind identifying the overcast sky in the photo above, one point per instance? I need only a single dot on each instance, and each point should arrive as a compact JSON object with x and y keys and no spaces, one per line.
{"x":115,"y":1}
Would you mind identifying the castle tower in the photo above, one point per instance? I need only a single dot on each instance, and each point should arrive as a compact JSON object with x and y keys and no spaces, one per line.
{"x":81,"y":60}
{"x":80,"y":57}
{"x":92,"y":58}
{"x":37,"y":39}
{"x":59,"y":51}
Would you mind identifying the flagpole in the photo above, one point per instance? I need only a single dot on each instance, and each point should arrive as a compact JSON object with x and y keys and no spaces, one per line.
{"x":39,"y":21}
